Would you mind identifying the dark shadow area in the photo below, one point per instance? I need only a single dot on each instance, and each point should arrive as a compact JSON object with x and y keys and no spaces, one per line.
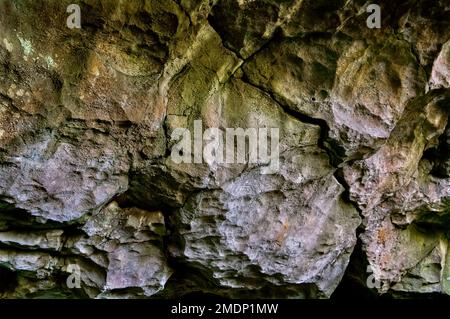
{"x":8,"y":280}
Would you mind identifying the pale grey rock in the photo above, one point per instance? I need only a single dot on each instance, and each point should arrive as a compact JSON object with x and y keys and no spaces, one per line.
{"x":41,"y":239}
{"x":440,"y":74}
{"x":267,"y":231}
{"x":137,"y":266}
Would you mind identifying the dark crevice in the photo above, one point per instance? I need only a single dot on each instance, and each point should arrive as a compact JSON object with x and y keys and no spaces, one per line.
{"x":334,"y":151}
{"x":354,"y":282}
{"x":346,"y":196}
{"x":8,"y":280}
{"x":277,"y":34}
{"x":332,"y":148}
{"x":324,"y":129}
{"x":357,"y":277}
{"x":167,"y":138}
{"x":13,"y":218}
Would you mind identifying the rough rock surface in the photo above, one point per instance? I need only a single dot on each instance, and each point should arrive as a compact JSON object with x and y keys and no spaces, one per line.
{"x":86,"y":174}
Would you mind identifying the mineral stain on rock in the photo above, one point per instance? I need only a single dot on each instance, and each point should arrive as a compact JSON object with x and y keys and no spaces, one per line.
{"x":86,"y":176}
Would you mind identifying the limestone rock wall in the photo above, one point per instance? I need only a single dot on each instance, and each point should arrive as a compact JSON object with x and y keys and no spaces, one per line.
{"x":88,"y":185}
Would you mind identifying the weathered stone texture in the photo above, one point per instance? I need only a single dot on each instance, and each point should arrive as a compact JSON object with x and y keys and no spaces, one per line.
{"x":86,"y":176}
